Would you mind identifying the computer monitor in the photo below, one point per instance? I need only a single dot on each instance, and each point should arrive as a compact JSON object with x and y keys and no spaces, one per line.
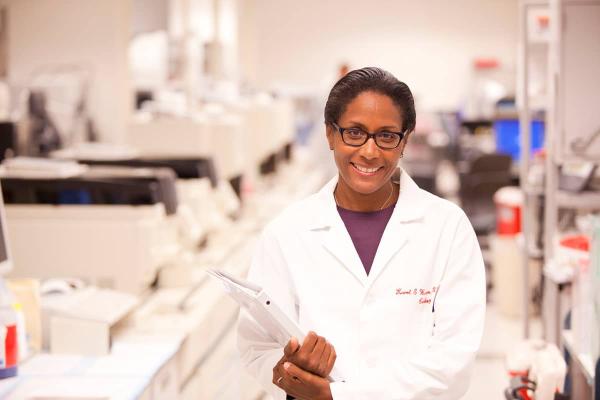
{"x":5,"y":260}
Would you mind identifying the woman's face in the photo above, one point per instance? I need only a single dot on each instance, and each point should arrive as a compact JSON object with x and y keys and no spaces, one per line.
{"x":371,"y":112}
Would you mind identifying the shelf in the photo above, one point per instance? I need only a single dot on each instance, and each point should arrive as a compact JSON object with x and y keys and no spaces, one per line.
{"x":583,"y":200}
{"x":583,"y":360}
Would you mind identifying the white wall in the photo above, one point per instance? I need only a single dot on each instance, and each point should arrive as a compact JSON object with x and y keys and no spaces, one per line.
{"x":149,"y":16}
{"x":91,"y":33}
{"x":429,"y":44}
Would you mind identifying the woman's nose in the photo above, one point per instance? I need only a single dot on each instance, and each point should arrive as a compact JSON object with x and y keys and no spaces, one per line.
{"x":370,"y":149}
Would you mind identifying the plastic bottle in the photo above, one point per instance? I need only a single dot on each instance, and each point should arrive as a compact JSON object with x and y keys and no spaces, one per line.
{"x":9,"y":355}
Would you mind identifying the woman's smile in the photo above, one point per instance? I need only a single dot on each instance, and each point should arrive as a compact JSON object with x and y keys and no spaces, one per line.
{"x":366,"y":171}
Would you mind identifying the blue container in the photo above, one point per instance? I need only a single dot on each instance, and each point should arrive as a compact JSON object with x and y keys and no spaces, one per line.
{"x":507,"y":137}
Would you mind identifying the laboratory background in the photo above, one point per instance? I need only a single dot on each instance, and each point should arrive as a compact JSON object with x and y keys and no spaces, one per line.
{"x":146,"y":142}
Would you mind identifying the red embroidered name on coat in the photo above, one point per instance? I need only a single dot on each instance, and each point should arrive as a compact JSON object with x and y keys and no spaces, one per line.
{"x":423,"y":293}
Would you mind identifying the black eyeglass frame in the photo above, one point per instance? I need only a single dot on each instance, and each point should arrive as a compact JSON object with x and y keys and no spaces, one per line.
{"x":369,"y":136}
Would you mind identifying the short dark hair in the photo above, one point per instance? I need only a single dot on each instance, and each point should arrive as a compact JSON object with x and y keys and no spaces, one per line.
{"x":375,"y":80}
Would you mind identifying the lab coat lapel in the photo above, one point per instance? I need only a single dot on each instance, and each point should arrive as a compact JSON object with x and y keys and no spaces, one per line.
{"x":338,"y":242}
{"x":333,"y":233}
{"x":403,"y":225}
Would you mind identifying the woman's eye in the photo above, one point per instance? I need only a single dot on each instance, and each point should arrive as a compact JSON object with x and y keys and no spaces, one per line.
{"x":387,"y":136}
{"x":354,"y":133}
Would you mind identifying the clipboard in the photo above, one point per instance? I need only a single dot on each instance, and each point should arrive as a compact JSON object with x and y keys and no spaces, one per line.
{"x":258,"y":303}
{"x":263,"y":309}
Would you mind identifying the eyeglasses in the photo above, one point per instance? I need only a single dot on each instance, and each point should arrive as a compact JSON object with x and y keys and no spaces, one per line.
{"x":356,"y":137}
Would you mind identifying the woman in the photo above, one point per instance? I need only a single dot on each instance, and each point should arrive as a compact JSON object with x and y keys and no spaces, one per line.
{"x":392,"y":276}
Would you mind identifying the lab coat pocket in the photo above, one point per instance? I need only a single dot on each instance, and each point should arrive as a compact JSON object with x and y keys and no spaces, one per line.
{"x":410,"y":318}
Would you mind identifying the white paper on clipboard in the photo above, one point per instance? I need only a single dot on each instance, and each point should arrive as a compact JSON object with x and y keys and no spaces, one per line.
{"x":264,"y":311}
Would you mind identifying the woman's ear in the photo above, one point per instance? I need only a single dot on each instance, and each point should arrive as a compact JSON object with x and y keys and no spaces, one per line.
{"x":330,"y":135}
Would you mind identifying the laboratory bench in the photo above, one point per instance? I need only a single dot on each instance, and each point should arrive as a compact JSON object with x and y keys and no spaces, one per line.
{"x":179,"y":343}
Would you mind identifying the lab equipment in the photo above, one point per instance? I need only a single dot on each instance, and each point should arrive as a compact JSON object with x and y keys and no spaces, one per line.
{"x":506,"y":133}
{"x":110,"y":226}
{"x":58,"y":111}
{"x":242,"y":137}
{"x":218,"y":136}
{"x":184,"y":168}
{"x":576,"y":176}
{"x":537,"y":370}
{"x":99,"y":185}
{"x":489,"y":83}
{"x":23,"y":167}
{"x":60,"y":286}
{"x":84,"y":321}
{"x":204,"y":201}
{"x":509,"y":201}
{"x":479,"y":181}
{"x":43,"y":136}
{"x":577,"y":85}
{"x":8,"y":139}
{"x":269,"y":131}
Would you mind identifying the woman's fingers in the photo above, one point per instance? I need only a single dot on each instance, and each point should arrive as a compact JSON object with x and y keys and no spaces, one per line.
{"x":324,"y":361}
{"x":331,"y":359}
{"x":319,"y":348}
{"x":309,"y":342}
{"x":314,"y":356}
{"x":291,"y":347}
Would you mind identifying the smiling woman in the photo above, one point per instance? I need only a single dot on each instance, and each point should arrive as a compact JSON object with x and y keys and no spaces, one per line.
{"x":389,"y":274}
{"x":368,"y":100}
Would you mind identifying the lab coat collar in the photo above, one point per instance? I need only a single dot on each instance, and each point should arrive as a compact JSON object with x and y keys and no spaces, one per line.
{"x":410,"y":207}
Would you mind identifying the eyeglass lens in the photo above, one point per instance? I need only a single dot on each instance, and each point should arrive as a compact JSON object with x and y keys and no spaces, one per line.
{"x":357,"y":137}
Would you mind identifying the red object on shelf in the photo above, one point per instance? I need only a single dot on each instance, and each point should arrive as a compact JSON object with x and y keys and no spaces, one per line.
{"x":579,"y":242}
{"x":524,"y":375}
{"x":12,"y":352}
{"x":486,"y":63}
{"x":509,"y":201}
{"x":543,"y":21}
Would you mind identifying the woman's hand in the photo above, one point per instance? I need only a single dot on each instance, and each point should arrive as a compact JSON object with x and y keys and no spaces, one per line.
{"x":301,"y":384}
{"x":312,"y":363}
{"x":316,"y":355}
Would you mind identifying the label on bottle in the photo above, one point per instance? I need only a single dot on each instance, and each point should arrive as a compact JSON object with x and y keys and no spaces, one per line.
{"x":11,"y":346}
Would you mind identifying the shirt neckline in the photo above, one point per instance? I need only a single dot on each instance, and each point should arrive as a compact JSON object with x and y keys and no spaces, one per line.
{"x":383,"y":210}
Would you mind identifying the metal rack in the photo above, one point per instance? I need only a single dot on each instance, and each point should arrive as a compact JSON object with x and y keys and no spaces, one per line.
{"x":530,"y":46}
{"x":573,"y":116}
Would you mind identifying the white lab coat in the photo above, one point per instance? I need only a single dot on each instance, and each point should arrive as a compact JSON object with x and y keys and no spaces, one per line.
{"x":389,"y":341}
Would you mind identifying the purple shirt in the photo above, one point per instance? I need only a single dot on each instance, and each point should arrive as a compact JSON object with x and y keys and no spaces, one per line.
{"x":366,"y":229}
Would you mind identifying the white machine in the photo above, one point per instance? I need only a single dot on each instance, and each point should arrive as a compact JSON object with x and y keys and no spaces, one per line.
{"x":216,"y":135}
{"x":269,"y":126}
{"x":205,"y":203}
{"x":239,"y":136}
{"x":101,"y":237}
{"x":119,"y":247}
